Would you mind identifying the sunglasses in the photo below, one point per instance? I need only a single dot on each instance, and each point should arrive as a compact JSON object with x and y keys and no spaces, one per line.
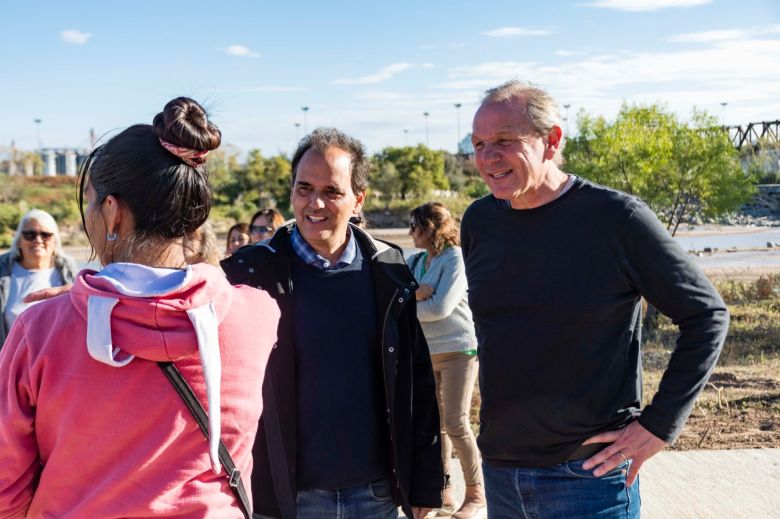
{"x":31,"y":235}
{"x":257,"y":229}
{"x":412,"y":225}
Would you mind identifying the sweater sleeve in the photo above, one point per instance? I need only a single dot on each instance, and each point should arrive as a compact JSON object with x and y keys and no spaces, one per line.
{"x":448,"y":292}
{"x":19,"y":461}
{"x":670,"y":281}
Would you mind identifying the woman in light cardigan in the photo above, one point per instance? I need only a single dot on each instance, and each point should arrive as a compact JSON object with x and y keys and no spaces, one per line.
{"x":444,"y":314}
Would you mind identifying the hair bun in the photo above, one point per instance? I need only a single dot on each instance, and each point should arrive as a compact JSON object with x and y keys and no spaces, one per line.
{"x":183,"y":122}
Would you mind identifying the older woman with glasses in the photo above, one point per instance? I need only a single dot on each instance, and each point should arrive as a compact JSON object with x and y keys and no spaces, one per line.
{"x":34,"y":262}
{"x":264,"y":223}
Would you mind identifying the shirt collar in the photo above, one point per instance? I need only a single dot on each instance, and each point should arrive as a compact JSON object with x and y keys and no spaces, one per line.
{"x":309,"y":256}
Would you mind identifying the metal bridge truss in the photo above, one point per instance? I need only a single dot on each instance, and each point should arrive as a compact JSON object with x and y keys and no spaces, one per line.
{"x":755,"y":134}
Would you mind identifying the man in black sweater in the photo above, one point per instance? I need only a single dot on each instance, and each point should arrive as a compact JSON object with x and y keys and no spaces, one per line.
{"x":350,"y":423}
{"x":556,"y":267}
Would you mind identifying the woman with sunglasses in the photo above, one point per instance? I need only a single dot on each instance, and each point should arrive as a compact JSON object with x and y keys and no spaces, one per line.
{"x":35,"y":262}
{"x":264,"y":223}
{"x":445,"y":317}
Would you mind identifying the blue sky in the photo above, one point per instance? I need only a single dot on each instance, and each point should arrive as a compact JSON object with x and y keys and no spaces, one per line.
{"x":372,"y":68}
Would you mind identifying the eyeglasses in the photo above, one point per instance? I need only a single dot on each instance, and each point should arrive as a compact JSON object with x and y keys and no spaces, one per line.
{"x":31,"y":235}
{"x":258,"y":229}
{"x":412,"y":225}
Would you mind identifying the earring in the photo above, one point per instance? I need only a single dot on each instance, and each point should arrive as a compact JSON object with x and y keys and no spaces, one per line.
{"x":111,"y":236}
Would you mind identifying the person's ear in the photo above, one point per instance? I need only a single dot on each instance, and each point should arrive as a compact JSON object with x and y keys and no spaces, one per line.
{"x":554,"y":139}
{"x":360,"y":199}
{"x":112,"y":214}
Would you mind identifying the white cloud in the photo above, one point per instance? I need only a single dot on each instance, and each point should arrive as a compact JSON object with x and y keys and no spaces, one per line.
{"x":383,"y":74}
{"x":241,"y":51}
{"x":75,"y":37}
{"x":644,"y":5}
{"x":742,"y":72}
{"x":514,"y":32}
{"x":725,"y":34}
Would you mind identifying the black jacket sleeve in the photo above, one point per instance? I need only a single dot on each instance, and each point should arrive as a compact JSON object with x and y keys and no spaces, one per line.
{"x":427,"y":477}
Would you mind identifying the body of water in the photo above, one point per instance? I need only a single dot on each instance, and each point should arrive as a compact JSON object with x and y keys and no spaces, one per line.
{"x":742,"y":240}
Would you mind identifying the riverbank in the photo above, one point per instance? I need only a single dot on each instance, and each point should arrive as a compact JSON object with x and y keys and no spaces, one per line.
{"x":723,"y":252}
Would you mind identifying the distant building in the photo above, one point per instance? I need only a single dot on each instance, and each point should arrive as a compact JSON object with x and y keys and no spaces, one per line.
{"x":62,"y":161}
{"x":49,"y":162}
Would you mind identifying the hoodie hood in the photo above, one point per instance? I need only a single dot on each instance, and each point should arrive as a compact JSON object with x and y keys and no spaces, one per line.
{"x":157,"y":315}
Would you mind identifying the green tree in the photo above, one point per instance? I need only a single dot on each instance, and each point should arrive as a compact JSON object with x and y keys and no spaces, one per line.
{"x":384,"y":181}
{"x":676,"y":168}
{"x":420,"y":169}
{"x":259,"y":182}
{"x":276,"y":180}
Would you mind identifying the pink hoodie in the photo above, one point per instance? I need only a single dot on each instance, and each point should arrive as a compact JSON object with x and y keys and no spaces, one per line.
{"x":89,"y":431}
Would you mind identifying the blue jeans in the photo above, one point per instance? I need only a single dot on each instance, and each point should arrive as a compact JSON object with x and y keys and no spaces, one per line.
{"x":563,"y":491}
{"x":374,"y":500}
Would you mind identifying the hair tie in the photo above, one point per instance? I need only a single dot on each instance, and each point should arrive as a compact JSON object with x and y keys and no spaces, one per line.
{"x":187,"y":155}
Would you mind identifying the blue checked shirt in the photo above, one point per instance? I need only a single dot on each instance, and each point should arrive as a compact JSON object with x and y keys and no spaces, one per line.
{"x":309,"y":256}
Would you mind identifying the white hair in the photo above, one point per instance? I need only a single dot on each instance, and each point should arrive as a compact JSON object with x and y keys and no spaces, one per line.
{"x":47,"y":221}
{"x":540,"y":107}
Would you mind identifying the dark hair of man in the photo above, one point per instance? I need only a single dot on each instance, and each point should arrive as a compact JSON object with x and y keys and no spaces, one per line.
{"x":168,"y":198}
{"x":436,"y":219}
{"x":323,"y":138}
{"x":274,"y":218}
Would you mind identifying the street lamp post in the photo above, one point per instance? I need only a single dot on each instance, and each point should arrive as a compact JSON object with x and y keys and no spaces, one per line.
{"x":38,"y":122}
{"x":723,"y":112}
{"x":298,"y":131}
{"x":406,"y":135}
{"x":305,"y":110}
{"x":566,"y":117}
{"x":427,"y":140}
{"x":457,"y":111}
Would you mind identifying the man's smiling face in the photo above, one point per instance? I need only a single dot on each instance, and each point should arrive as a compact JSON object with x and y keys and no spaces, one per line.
{"x":511,"y":156}
{"x":323,"y":200}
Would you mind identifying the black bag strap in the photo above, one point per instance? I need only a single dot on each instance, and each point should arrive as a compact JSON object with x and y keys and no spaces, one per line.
{"x":193,"y":404}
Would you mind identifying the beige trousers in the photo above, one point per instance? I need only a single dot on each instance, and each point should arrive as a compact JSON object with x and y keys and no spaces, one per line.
{"x":455,"y":374}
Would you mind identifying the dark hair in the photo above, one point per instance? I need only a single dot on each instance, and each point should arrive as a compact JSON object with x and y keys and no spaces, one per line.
{"x":167,"y":197}
{"x":435,"y":218}
{"x":323,"y":138}
{"x":274,"y":217}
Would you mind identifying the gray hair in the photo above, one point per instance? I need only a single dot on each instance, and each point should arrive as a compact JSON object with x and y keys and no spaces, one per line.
{"x":323,"y":138}
{"x":46,"y":220}
{"x":541,"y":108}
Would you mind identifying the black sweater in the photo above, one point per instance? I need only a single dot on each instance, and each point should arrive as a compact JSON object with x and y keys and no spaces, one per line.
{"x":555,"y":292}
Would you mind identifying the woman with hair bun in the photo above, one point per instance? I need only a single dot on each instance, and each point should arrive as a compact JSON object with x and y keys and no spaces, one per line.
{"x":443,"y":311}
{"x":89,"y":424}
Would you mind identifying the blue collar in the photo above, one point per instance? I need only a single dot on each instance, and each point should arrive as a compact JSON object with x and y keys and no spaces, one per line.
{"x":309,"y":256}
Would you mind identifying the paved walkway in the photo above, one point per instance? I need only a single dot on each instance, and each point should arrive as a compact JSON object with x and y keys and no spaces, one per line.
{"x":702,"y":484}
